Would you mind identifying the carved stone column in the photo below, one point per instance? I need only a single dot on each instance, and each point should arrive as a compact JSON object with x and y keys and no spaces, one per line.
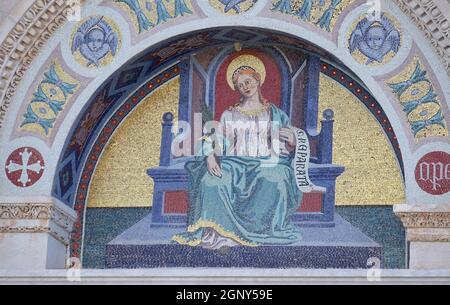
{"x":34,"y":233}
{"x":427,"y":235}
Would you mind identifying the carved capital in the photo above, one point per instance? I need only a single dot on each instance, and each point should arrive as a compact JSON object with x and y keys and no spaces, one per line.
{"x":425,"y":219}
{"x":45,"y":216}
{"x":425,"y":223}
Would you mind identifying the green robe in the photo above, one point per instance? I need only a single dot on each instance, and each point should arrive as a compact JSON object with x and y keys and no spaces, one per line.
{"x":251,"y":203}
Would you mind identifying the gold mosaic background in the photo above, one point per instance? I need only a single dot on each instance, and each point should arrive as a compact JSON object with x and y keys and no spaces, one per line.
{"x":151,"y":15}
{"x":372,"y":175}
{"x":317,"y":11}
{"x":120,"y":179}
{"x":245,"y":6}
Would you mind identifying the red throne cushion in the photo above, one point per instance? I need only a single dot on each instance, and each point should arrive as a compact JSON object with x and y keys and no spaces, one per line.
{"x":177,"y":202}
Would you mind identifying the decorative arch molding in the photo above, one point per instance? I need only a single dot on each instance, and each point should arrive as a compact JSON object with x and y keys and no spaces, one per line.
{"x":38,"y":28}
{"x":432,"y":22}
{"x":24,"y":42}
{"x":43,"y":18}
{"x":79,"y":162}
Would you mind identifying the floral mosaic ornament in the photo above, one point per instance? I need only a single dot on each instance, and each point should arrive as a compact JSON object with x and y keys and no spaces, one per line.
{"x":95,"y":42}
{"x":322,"y":13}
{"x":232,"y":7}
{"x":374,"y":40}
{"x":24,"y":167}
{"x":52,"y":94}
{"x":420,"y":102}
{"x":151,"y":13}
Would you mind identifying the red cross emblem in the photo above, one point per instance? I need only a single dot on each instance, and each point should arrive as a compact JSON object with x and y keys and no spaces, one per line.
{"x":24,"y":167}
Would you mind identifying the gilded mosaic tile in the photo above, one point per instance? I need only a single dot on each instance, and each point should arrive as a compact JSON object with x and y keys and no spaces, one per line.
{"x":360,"y":145}
{"x":148,"y":14}
{"x":232,"y":7}
{"x":366,"y":161}
{"x":421,"y":104}
{"x":120,"y":179}
{"x":51,"y":95}
{"x":321,"y":13}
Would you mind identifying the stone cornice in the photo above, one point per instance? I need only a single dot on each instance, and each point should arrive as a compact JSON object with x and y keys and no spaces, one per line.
{"x":44,"y":17}
{"x":25,"y":211}
{"x":433,"y":23}
{"x":428,"y":235}
{"x":226,"y":276}
{"x":425,"y":222}
{"x":36,"y":211}
{"x":425,"y":219}
{"x":33,"y":217}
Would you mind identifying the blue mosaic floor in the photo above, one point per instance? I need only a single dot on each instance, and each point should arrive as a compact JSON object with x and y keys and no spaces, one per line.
{"x":343,"y":246}
{"x":377,"y":222}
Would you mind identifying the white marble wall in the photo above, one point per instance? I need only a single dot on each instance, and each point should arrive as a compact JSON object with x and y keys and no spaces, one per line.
{"x":427,"y":235}
{"x":34,"y":233}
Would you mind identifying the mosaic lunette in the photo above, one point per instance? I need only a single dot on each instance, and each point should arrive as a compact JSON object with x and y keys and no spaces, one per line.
{"x":148,"y":14}
{"x":421,"y":105}
{"x":49,"y":99}
{"x":322,"y":13}
{"x":95,"y":42}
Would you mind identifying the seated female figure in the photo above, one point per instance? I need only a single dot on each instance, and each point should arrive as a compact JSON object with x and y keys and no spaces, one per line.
{"x":243,"y":191}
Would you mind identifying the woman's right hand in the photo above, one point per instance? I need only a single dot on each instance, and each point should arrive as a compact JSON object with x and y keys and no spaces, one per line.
{"x":213,"y":166}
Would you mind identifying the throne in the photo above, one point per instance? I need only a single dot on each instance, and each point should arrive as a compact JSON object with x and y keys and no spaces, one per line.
{"x":170,"y":199}
{"x":328,"y":240}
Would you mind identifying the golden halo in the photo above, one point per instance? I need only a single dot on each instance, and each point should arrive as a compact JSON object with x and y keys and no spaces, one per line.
{"x":249,"y":61}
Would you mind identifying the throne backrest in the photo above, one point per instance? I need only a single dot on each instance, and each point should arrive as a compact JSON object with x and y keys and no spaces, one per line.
{"x":291,"y":82}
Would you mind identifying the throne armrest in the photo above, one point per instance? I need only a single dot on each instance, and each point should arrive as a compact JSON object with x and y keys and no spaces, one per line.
{"x":325,"y":147}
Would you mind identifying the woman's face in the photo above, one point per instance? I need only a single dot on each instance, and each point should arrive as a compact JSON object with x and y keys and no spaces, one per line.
{"x":247,"y":85}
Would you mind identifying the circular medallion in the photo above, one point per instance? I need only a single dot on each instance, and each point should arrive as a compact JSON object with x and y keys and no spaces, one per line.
{"x":24,"y":167}
{"x":374,"y":40}
{"x":95,"y":42}
{"x":433,"y":173}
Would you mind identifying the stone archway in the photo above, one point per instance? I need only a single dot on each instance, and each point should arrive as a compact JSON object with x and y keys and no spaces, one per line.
{"x":95,"y":129}
{"x":36,"y":27}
